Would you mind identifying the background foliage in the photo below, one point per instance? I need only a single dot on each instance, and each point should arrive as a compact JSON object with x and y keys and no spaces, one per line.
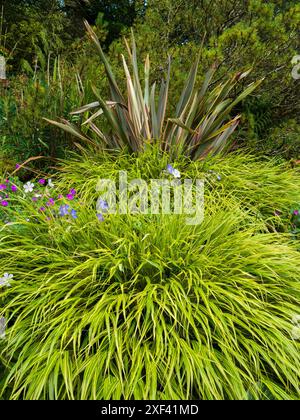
{"x":148,"y":307}
{"x":235,"y":35}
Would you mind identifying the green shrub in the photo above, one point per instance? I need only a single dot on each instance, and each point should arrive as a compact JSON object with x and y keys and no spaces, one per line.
{"x":283,"y":140}
{"x":31,"y":97}
{"x":142,"y":306}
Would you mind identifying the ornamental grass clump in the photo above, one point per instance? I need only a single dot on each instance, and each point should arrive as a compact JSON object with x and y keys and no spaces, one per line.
{"x":146,"y":306}
{"x":265,"y":187}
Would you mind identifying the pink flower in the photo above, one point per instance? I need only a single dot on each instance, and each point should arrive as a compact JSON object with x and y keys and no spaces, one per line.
{"x":70,"y":196}
{"x":2,"y":187}
{"x":4,"y":203}
{"x":51,"y":202}
{"x":60,"y":196}
{"x":41,"y":181}
{"x":14,"y":188}
{"x":296,"y":212}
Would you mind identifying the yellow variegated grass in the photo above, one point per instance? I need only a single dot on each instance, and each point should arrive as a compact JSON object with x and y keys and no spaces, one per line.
{"x":146,"y":307}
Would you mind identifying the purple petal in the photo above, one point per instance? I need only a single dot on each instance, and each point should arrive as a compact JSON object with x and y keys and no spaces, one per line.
{"x":170,"y":169}
{"x":100,"y":217}
{"x":74,"y":214}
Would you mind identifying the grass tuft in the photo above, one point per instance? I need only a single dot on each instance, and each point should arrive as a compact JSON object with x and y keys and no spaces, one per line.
{"x":148,"y":307}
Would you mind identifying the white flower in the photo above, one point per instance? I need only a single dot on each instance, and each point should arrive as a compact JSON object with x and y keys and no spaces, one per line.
{"x":28,"y":187}
{"x":4,"y":281}
{"x":50,"y":183}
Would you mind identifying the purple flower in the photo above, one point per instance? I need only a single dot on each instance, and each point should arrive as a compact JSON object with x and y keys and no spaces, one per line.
{"x":7,"y":181}
{"x":277,"y":212}
{"x":17,"y":166}
{"x":74,"y":214}
{"x":296,"y":212}
{"x":4,"y":203}
{"x":41,"y":181}
{"x":2,"y":187}
{"x":102,"y":205}
{"x":14,"y":188}
{"x":51,"y":202}
{"x":100,"y":217}
{"x":64,"y":210}
{"x":72,"y":191}
{"x":60,"y":196}
{"x":173,"y":171}
{"x":42,"y":209}
{"x":70,"y":196}
{"x":35,"y":199}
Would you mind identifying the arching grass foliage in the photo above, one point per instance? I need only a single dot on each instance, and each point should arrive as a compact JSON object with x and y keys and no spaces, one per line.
{"x":145,"y":306}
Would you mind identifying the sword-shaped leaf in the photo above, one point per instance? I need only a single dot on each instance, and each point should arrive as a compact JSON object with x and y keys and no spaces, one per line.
{"x":115,"y":91}
{"x":155,"y":129}
{"x":178,"y":122}
{"x":163,"y":100}
{"x":71,"y":129}
{"x":188,"y":89}
{"x":85,"y":108}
